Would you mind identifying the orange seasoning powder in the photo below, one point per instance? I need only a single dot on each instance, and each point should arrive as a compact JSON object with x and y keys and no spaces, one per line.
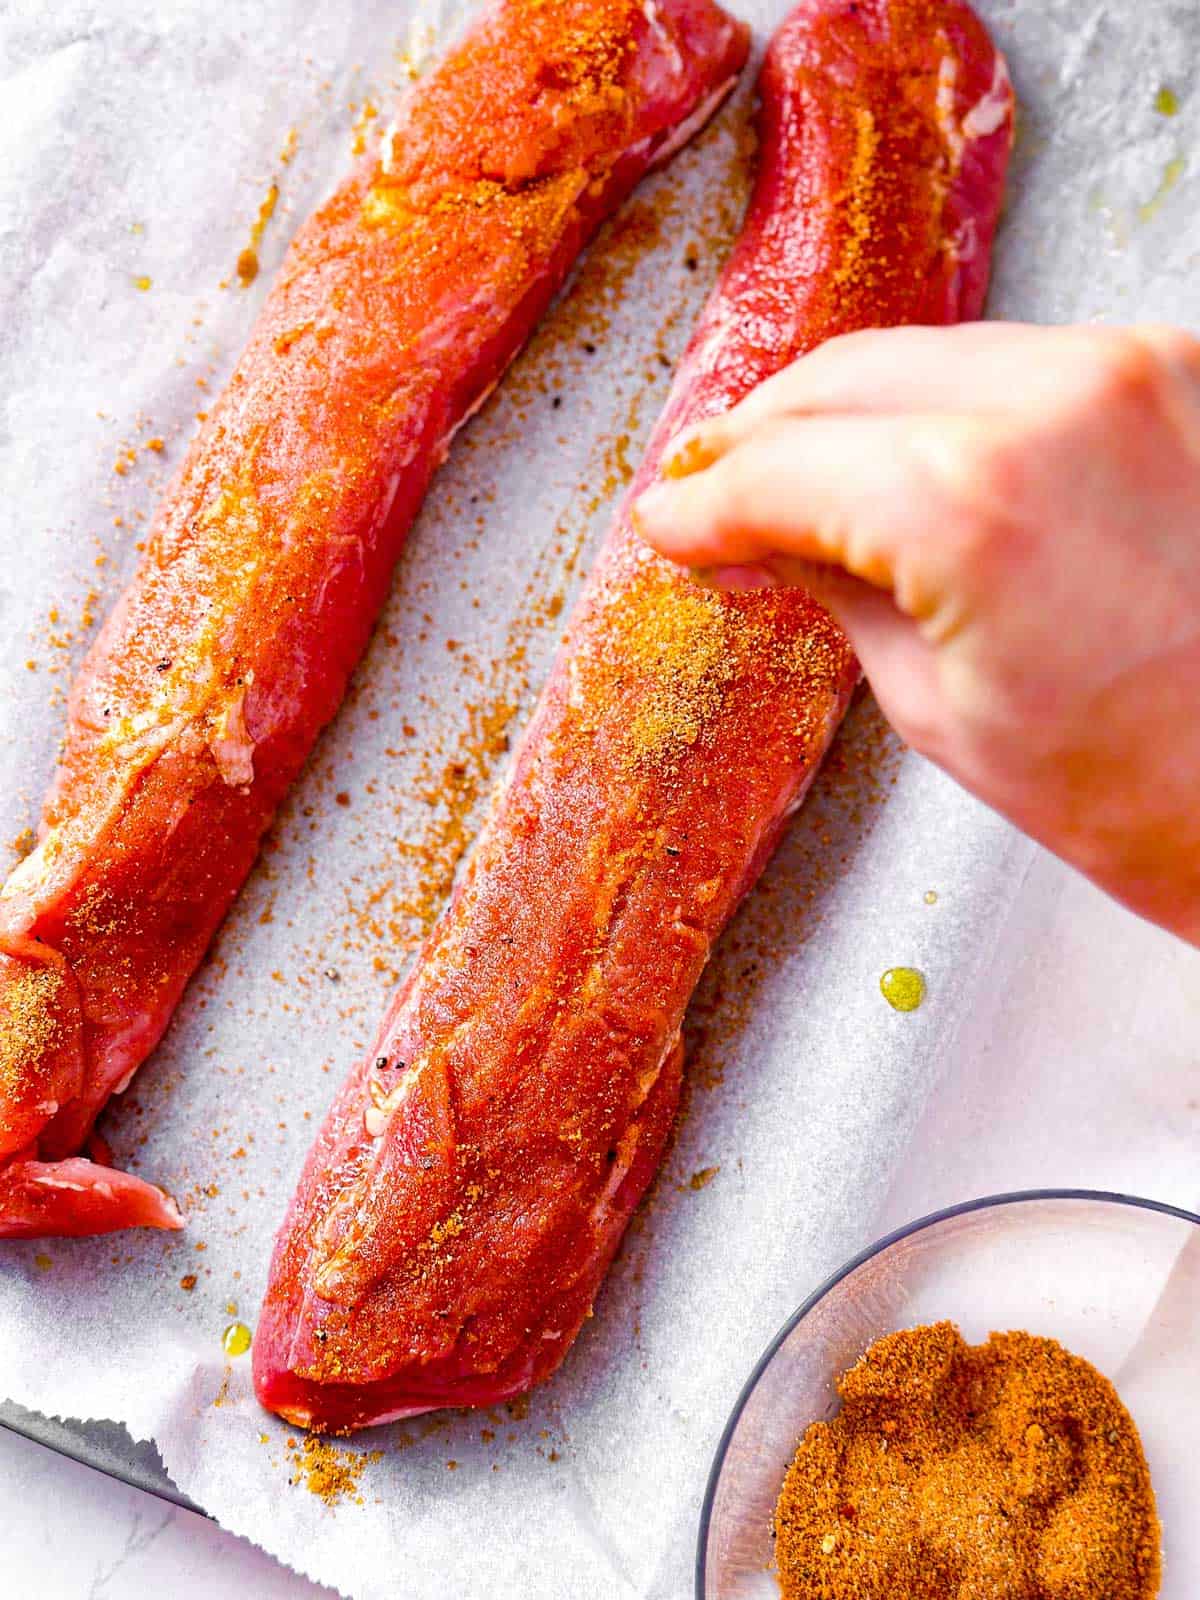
{"x":1003,"y":1471}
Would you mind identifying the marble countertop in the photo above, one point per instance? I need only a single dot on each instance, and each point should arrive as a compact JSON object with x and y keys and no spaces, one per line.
{"x":73,"y":1534}
{"x":1081,"y":1068}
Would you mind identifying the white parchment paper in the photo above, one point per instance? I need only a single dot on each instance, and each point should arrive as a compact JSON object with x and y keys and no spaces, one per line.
{"x":137,"y":145}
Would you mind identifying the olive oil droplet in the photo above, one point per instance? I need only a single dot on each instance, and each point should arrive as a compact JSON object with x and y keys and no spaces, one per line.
{"x":1166,"y":102}
{"x":931,"y":897}
{"x":903,"y":988}
{"x":235,"y":1341}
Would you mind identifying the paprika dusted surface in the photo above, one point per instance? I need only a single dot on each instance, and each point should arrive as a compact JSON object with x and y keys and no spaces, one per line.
{"x":470,"y":1186}
{"x":397,"y":308}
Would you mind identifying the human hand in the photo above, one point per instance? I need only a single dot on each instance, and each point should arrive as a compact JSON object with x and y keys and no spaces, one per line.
{"x":1006,"y":521}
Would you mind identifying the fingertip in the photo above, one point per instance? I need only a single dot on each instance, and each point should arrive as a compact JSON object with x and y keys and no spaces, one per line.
{"x":671,"y":520}
{"x":650,"y":512}
{"x":674,"y":521}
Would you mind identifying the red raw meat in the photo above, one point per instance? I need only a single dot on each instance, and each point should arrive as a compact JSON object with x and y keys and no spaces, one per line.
{"x":470,"y":1186}
{"x":397,"y":308}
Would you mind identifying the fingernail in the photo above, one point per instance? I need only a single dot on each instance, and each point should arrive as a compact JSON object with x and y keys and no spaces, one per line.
{"x":692,"y":452}
{"x":735,"y":580}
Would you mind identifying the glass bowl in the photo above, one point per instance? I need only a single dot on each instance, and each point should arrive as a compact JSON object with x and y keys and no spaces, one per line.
{"x":1114,"y":1279}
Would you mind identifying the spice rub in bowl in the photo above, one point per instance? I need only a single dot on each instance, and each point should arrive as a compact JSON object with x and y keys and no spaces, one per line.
{"x":970,"y":1472}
